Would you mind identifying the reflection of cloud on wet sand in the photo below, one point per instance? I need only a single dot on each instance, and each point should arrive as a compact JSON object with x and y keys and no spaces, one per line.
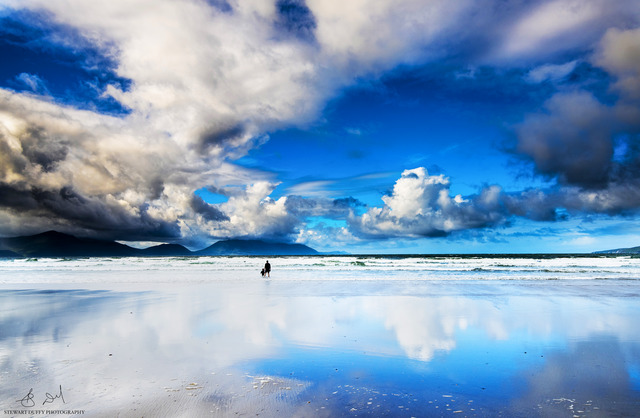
{"x":423,"y":326}
{"x":109,"y":347}
{"x":590,"y":378}
{"x":148,"y":353}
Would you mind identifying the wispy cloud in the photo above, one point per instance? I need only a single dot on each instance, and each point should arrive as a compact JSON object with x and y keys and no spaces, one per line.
{"x":550,"y":72}
{"x":354,"y":131}
{"x":33,"y":83}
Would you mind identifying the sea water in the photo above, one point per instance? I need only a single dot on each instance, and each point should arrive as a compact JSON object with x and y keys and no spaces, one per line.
{"x":205,"y":269}
{"x":323,"y":336}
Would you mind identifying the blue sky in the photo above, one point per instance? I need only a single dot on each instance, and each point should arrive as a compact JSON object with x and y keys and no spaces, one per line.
{"x":367,"y":127}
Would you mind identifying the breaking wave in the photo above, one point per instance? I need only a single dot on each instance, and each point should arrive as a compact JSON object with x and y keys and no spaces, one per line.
{"x":438,"y":268}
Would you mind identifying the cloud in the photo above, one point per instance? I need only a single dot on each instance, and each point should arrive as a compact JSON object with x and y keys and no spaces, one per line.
{"x":572,"y":141}
{"x":550,"y":72}
{"x":323,"y":237}
{"x":575,"y":138}
{"x":589,"y":147}
{"x":317,"y":188}
{"x":354,"y":131}
{"x":295,"y":18}
{"x":64,"y":209}
{"x":252,"y":212}
{"x":79,"y":169}
{"x":33,"y":83}
{"x":619,"y":54}
{"x":620,"y":198}
{"x":552,"y":28}
{"x":201,"y":93}
{"x":420,"y":205}
{"x":208,"y":212}
{"x":204,"y":82}
{"x":552,"y":25}
{"x":313,"y":207}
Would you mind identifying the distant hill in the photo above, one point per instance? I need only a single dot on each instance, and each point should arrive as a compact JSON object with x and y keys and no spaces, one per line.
{"x":9,"y":254}
{"x":255,"y":247}
{"x":632,"y":250}
{"x":165,"y":250}
{"x":57,"y":244}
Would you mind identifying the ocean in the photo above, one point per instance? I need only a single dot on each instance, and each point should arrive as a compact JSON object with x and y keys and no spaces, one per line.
{"x":292,"y":268}
{"x":454,"y":335}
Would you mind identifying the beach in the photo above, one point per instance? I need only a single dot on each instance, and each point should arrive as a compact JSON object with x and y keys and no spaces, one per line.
{"x":322,"y":337}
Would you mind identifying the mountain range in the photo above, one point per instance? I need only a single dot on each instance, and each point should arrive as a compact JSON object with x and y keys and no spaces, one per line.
{"x":57,"y":244}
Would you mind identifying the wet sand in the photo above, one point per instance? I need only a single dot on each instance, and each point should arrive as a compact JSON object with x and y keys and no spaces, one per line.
{"x":314,"y":348}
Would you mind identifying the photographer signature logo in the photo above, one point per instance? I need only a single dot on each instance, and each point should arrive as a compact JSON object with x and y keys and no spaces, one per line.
{"x":29,"y":399}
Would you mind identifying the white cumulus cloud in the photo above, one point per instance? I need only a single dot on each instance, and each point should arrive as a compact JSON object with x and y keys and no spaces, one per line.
{"x":421,"y":205}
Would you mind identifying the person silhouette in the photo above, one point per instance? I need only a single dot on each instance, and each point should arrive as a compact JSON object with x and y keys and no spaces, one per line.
{"x":267,"y":269}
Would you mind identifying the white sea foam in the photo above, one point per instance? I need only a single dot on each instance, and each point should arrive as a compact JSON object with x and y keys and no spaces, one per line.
{"x":203,"y":269}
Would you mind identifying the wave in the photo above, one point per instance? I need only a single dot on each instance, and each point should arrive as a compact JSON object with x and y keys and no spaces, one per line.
{"x":334,"y":267}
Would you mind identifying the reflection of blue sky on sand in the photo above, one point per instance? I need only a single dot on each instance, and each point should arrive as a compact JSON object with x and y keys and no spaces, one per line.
{"x":251,"y":346}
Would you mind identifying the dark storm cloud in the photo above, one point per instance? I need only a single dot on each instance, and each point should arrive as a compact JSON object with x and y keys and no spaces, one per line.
{"x":208,"y":212}
{"x":347,"y":203}
{"x":573,"y":142}
{"x":218,"y":190}
{"x":621,"y":198}
{"x":41,"y":150}
{"x":67,"y":205}
{"x":156,"y":187}
{"x":17,"y":199}
{"x":556,"y":204}
{"x":589,"y":144}
{"x":72,"y":212}
{"x":219,"y":137}
{"x":532,"y":204}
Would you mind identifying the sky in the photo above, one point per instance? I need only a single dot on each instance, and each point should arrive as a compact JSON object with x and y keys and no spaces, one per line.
{"x":365,"y":126}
